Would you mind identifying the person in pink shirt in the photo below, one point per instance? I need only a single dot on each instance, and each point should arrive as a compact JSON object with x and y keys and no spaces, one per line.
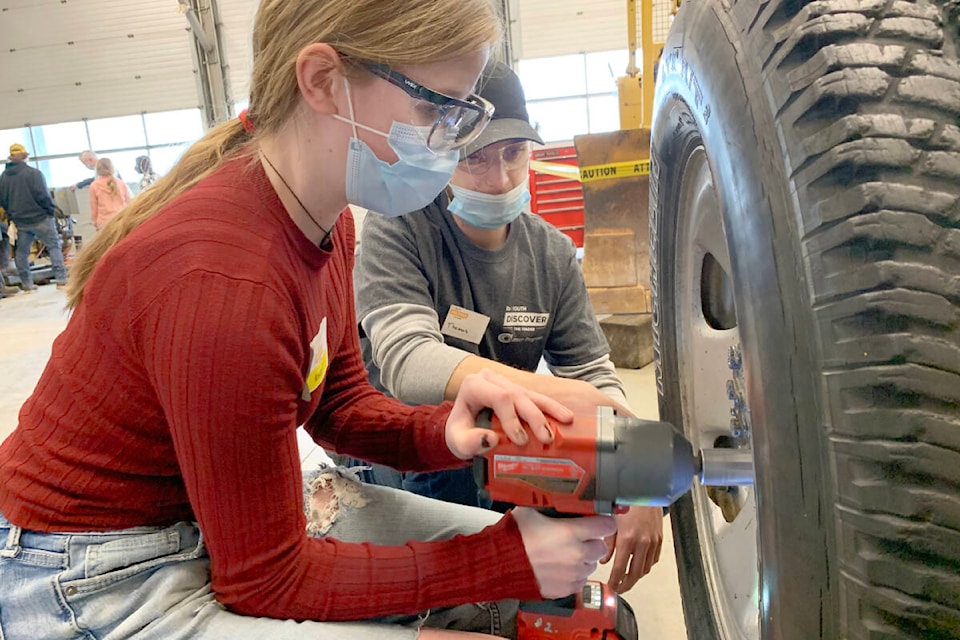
{"x":107,"y":194}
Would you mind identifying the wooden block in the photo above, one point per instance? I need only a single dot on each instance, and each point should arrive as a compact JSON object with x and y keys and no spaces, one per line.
{"x":610,"y":259}
{"x":631,"y":339}
{"x":617,"y":205}
{"x":619,"y":299}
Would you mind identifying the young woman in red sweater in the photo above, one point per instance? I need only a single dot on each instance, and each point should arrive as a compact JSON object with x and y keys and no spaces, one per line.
{"x":153,"y":488}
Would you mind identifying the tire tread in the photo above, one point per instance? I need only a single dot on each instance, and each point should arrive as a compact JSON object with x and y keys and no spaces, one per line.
{"x":868,"y":98}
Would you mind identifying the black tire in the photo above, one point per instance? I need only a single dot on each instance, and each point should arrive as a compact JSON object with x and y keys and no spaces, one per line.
{"x":831,"y":134}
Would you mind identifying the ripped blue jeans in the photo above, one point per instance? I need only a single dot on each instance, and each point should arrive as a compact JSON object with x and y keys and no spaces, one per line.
{"x":153,"y":583}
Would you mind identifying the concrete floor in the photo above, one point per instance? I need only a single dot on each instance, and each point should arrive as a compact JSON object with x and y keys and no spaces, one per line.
{"x":29,"y":323}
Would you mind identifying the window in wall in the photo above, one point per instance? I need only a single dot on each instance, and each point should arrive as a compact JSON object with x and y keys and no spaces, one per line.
{"x":559,"y":119}
{"x":545,"y":78}
{"x":604,"y":113}
{"x":163,"y":136}
{"x":163,"y":158}
{"x":15,"y":136}
{"x":124,"y":163}
{"x":117,"y":133}
{"x":171,"y":127}
{"x":603,"y":68}
{"x":573,"y":94}
{"x":61,"y":139}
{"x":63,"y":172}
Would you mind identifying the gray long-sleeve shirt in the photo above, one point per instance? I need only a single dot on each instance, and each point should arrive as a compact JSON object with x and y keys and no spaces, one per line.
{"x":427,"y":298}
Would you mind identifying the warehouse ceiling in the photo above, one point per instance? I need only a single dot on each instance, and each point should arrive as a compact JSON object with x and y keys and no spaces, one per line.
{"x":67,"y":60}
{"x":63,"y":60}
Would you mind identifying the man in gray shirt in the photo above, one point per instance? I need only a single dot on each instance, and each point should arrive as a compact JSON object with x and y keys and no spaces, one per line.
{"x":473,"y":282}
{"x":429,"y":298}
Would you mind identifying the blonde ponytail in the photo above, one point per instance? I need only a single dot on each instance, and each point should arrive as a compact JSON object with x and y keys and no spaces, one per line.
{"x":200,"y":160}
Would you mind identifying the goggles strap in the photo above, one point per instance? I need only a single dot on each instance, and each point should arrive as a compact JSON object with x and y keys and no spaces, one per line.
{"x":352,"y":121}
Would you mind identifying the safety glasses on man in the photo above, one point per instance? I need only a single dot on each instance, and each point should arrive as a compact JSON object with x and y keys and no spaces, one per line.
{"x":511,"y":157}
{"x":453,"y":123}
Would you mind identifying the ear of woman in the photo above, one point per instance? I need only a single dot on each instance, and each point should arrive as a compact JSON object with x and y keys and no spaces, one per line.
{"x":318,"y":66}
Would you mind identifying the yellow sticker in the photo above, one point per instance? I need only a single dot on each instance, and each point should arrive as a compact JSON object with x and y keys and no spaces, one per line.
{"x":615,"y":170}
{"x":319,"y":360}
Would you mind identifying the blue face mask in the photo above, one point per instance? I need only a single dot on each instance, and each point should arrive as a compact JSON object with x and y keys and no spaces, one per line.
{"x":486,"y":210}
{"x":411,"y":183}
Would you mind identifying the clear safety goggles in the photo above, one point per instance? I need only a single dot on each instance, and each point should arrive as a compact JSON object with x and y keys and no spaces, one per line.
{"x":453,"y":123}
{"x":511,"y":157}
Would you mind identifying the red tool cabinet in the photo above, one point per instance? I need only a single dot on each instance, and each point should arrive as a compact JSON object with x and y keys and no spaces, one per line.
{"x":557,"y":200}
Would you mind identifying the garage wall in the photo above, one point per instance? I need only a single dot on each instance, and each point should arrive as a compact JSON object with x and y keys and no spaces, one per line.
{"x":67,"y":60}
{"x":63,"y":60}
{"x":540,"y":28}
{"x":236,"y":29}
{"x":547,"y":28}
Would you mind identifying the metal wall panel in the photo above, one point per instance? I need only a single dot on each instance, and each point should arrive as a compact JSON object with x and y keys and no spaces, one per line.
{"x":64,"y":60}
{"x":558,"y":27}
{"x":539,"y":28}
{"x":236,"y":31}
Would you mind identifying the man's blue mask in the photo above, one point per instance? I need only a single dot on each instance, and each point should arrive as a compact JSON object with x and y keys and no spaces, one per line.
{"x":486,"y":210}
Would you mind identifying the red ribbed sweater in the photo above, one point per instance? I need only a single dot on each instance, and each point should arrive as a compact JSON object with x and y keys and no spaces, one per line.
{"x":174,"y":394}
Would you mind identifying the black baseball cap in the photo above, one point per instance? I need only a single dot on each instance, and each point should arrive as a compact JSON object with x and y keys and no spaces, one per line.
{"x":501,"y":86}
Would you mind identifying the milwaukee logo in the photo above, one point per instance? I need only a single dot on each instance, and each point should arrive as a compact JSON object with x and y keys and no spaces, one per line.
{"x":508,"y":467}
{"x":523,"y":467}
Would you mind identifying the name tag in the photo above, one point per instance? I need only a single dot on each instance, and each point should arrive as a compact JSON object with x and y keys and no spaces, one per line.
{"x":465,"y":324}
{"x":318,"y":362}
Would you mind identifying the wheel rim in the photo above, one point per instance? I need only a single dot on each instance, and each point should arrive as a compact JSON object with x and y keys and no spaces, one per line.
{"x":707,"y":330}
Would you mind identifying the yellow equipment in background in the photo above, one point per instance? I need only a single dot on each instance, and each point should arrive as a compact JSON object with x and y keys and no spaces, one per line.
{"x":635,"y":90}
{"x":635,"y":95}
{"x":614,"y":175}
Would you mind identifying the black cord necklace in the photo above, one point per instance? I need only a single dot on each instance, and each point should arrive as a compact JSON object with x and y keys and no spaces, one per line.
{"x":325,"y":240}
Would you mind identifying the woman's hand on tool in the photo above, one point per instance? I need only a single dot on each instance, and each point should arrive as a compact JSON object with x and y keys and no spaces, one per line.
{"x":563,"y":551}
{"x":512,"y":404}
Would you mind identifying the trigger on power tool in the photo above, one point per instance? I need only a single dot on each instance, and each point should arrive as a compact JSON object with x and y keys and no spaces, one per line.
{"x":594,"y":613}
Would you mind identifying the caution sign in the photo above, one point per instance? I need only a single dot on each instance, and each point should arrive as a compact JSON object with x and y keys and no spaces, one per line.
{"x":612,"y":170}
